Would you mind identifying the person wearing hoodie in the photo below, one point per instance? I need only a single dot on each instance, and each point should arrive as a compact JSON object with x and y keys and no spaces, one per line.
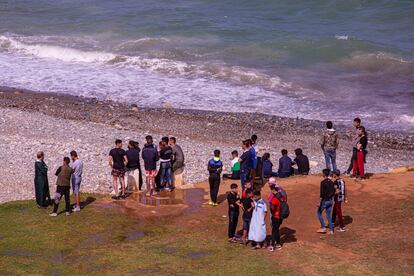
{"x":214,"y":167}
{"x":329,"y":144}
{"x":150,"y":157}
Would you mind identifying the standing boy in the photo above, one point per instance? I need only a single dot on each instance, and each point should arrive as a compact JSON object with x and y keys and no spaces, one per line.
{"x":177,"y":163}
{"x":117,"y":161}
{"x":77,"y":166}
{"x":340,"y":196}
{"x":355,"y":138}
{"x":248,"y":206}
{"x":233,"y":199}
{"x":133,"y":167}
{"x":214,"y":167}
{"x":245,"y":163}
{"x":327,"y":192}
{"x":329,"y":144}
{"x":276,"y":218}
{"x":166,"y":154}
{"x":64,"y":174}
{"x":150,"y":157}
{"x":257,"y":231}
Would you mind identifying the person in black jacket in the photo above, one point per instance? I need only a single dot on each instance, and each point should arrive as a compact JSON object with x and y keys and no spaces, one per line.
{"x":215,"y":167}
{"x":327,"y":192}
{"x":302,"y":162}
{"x":233,"y":199}
{"x":150,"y":157}
{"x":361,"y":145}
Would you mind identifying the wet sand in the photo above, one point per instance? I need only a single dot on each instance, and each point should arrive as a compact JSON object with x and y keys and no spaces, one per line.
{"x":56,"y":124}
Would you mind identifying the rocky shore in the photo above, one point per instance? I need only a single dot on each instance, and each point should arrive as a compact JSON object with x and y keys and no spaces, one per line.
{"x":57,"y":124}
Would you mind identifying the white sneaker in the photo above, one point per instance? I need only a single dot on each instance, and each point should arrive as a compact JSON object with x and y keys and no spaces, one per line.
{"x":67,"y":213}
{"x":341,"y":229}
{"x":53,"y":214}
{"x":76,"y":209}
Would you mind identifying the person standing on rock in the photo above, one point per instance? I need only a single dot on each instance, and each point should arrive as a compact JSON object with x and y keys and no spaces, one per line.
{"x":133,"y":166}
{"x":177,"y":163}
{"x":329,"y":144}
{"x":77,"y":166}
{"x":41,"y":182}
{"x":150,"y":157}
{"x":117,"y":161}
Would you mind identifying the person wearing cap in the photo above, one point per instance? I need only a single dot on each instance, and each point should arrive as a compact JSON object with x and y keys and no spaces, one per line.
{"x":272,"y":182}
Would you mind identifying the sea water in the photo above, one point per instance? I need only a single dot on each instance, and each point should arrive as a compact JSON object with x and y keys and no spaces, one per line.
{"x":323,"y":59}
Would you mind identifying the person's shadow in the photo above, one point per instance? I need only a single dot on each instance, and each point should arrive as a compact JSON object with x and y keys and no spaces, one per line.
{"x":287,"y":235}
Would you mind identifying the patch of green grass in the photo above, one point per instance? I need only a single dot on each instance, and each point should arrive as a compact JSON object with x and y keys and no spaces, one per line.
{"x":100,"y":241}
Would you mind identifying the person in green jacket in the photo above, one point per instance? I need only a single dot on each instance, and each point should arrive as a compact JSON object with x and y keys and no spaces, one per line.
{"x":64,"y":175}
{"x":41,"y":182}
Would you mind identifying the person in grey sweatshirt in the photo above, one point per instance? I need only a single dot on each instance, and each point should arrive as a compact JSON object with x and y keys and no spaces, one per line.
{"x":329,"y":144}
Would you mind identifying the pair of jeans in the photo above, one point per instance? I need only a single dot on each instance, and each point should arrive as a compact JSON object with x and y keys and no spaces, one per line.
{"x":166,"y":174}
{"x":244,"y":177}
{"x":214,"y":181}
{"x":359,"y":164}
{"x":327,"y":206}
{"x":330,"y":159}
{"x":276,"y":231}
{"x":337,"y":213}
{"x":60,"y":192}
{"x":233,"y":220}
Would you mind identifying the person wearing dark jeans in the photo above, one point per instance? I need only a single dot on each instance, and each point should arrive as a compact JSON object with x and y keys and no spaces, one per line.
{"x":327,"y":192}
{"x":276,"y":220}
{"x":64,"y":175}
{"x":245,"y":164}
{"x":214,"y":167}
{"x":233,"y":200}
{"x":329,"y":144}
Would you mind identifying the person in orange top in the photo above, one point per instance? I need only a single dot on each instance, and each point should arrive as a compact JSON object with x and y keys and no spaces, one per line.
{"x":276,"y":219}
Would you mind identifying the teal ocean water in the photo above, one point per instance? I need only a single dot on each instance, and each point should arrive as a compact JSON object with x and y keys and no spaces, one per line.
{"x":323,"y":59}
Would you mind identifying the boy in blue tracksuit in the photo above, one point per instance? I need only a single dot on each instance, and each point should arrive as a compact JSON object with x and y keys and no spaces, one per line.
{"x":215,"y":167}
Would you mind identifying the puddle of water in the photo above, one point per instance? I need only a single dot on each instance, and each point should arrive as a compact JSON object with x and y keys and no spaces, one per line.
{"x":197,"y":254}
{"x":135,"y":235}
{"x":16,"y":253}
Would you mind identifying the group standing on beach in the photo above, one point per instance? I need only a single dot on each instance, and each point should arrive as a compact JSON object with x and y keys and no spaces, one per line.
{"x":67,"y":175}
{"x":167,"y":176}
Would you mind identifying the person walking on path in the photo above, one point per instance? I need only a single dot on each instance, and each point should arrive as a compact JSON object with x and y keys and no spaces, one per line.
{"x":327,"y":192}
{"x":177,"y":163}
{"x":133,"y":167}
{"x":360,"y":149}
{"x":150,"y":157}
{"x":64,"y":175}
{"x":214,"y":167}
{"x":41,"y":182}
{"x":117,"y":161}
{"x":77,"y":166}
{"x":329,"y":144}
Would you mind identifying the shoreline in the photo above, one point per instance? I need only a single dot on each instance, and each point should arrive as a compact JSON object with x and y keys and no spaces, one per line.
{"x":56,"y":124}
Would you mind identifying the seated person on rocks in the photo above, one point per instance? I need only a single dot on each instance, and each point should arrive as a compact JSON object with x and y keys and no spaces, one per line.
{"x":267,"y":166}
{"x":285,"y":165}
{"x":235,"y":166}
{"x":302,"y":162}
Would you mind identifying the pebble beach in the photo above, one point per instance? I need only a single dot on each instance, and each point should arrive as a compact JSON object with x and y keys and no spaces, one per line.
{"x":56,"y":124}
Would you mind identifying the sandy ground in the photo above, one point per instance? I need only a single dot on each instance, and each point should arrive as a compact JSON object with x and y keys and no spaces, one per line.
{"x":378,"y":219}
{"x":30,"y":122}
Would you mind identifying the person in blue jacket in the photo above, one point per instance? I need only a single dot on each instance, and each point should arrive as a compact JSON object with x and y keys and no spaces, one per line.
{"x":215,"y":167}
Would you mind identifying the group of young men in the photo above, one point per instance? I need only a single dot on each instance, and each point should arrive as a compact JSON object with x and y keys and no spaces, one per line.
{"x":166,"y":176}
{"x":254,"y":215}
{"x":70,"y":173}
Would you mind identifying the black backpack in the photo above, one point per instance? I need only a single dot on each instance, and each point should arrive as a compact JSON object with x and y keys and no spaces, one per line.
{"x":284,"y":206}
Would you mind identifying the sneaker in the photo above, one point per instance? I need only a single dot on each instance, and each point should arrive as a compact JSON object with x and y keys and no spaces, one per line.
{"x":330,"y":232}
{"x":278,"y":247}
{"x":215,"y":204}
{"x":271,"y":248}
{"x":341,"y":229}
{"x":167,"y":189}
{"x":321,"y":230}
{"x":76,"y":209}
{"x":53,"y":214}
{"x":210,"y":202}
{"x":67,"y":213}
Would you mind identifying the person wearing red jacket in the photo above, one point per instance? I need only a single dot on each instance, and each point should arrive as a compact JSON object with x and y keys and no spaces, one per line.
{"x":276,"y":219}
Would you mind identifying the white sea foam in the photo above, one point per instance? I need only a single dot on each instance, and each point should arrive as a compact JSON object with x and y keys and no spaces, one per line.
{"x":342,"y":37}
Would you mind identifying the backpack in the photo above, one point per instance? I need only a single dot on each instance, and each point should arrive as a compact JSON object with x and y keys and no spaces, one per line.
{"x":284,"y":206}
